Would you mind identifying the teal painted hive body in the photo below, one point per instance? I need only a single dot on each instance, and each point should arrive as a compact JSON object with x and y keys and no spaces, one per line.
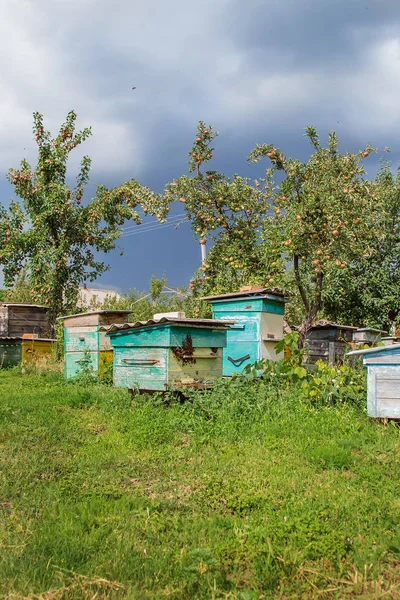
{"x":383,"y":380}
{"x":258,"y":327}
{"x":85,"y":345}
{"x":168,"y":353}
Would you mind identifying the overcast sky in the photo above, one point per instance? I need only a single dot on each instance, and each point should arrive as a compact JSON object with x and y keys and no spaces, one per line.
{"x":258,"y":70}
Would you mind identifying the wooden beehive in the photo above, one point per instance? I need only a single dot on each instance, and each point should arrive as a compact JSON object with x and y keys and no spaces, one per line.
{"x":328,"y":342}
{"x":368,"y":335}
{"x":17,"y":319}
{"x":85,"y":345}
{"x":259,"y":326}
{"x":168,"y":353}
{"x":383,"y":394}
{"x":390,"y":339}
{"x":16,"y":350}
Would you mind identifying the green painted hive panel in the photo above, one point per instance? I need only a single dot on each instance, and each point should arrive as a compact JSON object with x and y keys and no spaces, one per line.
{"x":140,"y":368}
{"x":164,"y":336}
{"x":246,"y":328}
{"x":78,"y":339}
{"x":74,"y":362}
{"x":237,"y":355}
{"x":143,"y":337}
{"x":243,"y":305}
{"x":10,"y":353}
{"x":220,"y":309}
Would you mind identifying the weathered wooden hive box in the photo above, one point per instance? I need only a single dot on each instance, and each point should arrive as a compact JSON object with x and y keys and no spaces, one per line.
{"x":16,"y":350}
{"x":85,"y":345}
{"x":258,"y":328}
{"x":368,"y":335}
{"x":390,"y":339}
{"x":328,"y":342}
{"x":383,"y":394}
{"x":17,"y":319}
{"x":168,"y":353}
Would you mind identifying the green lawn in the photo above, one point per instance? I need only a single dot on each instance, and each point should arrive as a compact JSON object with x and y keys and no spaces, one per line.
{"x":242,"y":493}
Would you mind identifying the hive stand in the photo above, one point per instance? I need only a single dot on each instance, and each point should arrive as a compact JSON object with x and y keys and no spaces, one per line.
{"x":258,"y":328}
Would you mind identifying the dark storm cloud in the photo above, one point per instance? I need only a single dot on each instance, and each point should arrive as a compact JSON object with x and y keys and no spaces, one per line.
{"x":289,"y":34}
{"x":259,"y":71}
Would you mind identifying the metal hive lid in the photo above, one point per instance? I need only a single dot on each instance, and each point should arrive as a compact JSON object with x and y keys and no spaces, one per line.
{"x":261,"y":293}
{"x":371,"y":329}
{"x":325,"y":324}
{"x":23,"y":305}
{"x":96,"y":312}
{"x":374,"y":350}
{"x":20,"y":338}
{"x":212,"y":323}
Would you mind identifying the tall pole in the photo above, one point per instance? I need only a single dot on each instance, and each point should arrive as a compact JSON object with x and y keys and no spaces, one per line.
{"x":203,"y":251}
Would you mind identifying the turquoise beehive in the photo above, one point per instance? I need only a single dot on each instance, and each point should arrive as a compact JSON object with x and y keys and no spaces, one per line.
{"x":85,"y":345}
{"x":165,"y":353}
{"x":258,"y":328}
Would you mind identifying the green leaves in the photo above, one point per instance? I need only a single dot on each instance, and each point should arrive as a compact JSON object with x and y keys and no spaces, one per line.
{"x":300,"y":372}
{"x":226,"y":211}
{"x":52,"y":232}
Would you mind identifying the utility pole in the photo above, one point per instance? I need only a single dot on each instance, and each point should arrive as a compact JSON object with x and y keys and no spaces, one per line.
{"x":203,"y":250}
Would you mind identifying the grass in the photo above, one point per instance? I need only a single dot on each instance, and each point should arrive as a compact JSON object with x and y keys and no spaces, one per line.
{"x":241,"y":493}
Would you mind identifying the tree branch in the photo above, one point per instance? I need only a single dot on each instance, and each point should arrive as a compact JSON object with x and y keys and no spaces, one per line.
{"x":299,"y":282}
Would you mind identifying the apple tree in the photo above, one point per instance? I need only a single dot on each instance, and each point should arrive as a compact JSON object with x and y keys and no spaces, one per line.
{"x":368,"y":291}
{"x":51,"y":232}
{"x":324,"y":216}
{"x":227,"y":212}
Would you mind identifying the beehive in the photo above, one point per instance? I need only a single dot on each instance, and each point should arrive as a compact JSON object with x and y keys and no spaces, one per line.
{"x":327,"y":341}
{"x":259,"y":326}
{"x":368,"y":335}
{"x":17,"y":319}
{"x":168,"y":353}
{"x":383,"y":380}
{"x":16,"y":350}
{"x":85,"y":345}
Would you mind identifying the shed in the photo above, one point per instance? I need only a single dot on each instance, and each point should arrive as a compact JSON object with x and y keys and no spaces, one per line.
{"x":85,"y":345}
{"x":368,"y":335}
{"x":17,"y":319}
{"x":168,"y":353}
{"x":16,"y":350}
{"x":327,"y":341}
{"x":383,"y":368}
{"x":259,"y":325}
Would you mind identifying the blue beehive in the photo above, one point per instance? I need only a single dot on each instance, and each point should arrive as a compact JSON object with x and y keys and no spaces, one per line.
{"x":258,"y":328}
{"x":85,"y":345}
{"x":383,"y":395}
{"x":167,"y":353}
